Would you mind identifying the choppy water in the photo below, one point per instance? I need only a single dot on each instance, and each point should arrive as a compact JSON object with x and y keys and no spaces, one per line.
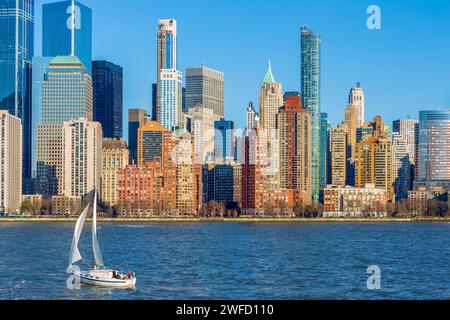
{"x":234,"y":260}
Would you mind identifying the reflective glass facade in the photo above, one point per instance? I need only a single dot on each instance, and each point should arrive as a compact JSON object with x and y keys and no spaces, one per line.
{"x":224,"y":140}
{"x":16,"y":52}
{"x":59,"y":34}
{"x":310,"y":85}
{"x":434,"y":146}
{"x":40,"y":65}
{"x":107,"y":82}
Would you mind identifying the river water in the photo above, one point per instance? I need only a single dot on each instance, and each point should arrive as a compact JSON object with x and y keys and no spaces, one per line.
{"x":233,"y":260}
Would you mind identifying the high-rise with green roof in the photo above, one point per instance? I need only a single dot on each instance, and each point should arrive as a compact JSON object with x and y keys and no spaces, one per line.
{"x":66,"y":95}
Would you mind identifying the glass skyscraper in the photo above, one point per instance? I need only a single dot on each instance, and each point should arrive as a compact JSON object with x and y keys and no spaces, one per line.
{"x":66,"y":95}
{"x":67,"y":30}
{"x":39,"y":67}
{"x":166,"y":60}
{"x":107,"y":82}
{"x":170,"y":98}
{"x":16,"y":52}
{"x":434,"y":148}
{"x":224,"y":140}
{"x":310,"y":87}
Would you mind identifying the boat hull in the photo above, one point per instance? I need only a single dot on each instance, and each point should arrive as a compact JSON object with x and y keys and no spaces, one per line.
{"x":109,"y":283}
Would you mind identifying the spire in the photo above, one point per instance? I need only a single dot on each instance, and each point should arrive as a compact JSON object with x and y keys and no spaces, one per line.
{"x":269,"y":76}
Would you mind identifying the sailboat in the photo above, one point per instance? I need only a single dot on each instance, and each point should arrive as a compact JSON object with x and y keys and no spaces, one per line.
{"x":99,"y":275}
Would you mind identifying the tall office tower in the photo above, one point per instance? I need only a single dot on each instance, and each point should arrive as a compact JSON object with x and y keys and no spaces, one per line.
{"x":166,"y":56}
{"x":374,"y":160}
{"x":136,"y":118}
{"x":67,"y":31}
{"x":401,"y":166}
{"x":170,"y":99}
{"x":115,"y":157}
{"x":205,"y":86}
{"x":186,"y":183}
{"x":10,"y":162}
{"x":107,"y":83}
{"x":66,"y":95}
{"x":325,"y":130}
{"x":294,"y":132}
{"x":434,"y":149}
{"x":82,"y":166}
{"x":16,"y":53}
{"x":270,"y":100}
{"x":351,"y":119}
{"x":156,"y":145}
{"x":356,"y":98}
{"x":202,"y":129}
{"x":254,"y":172}
{"x":39,"y":69}
{"x":310,"y":85}
{"x":67,"y":91}
{"x":339,"y":155}
{"x":252,"y":117}
{"x":224,"y":141}
{"x":405,"y":128}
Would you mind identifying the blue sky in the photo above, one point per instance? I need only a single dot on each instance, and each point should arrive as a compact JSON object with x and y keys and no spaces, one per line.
{"x":403,"y":68}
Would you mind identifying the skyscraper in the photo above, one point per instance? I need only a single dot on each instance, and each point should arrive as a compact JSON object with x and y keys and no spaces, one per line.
{"x":401,"y":166}
{"x":405,"y":128}
{"x":16,"y":53}
{"x":252,"y":117}
{"x":310,"y":88}
{"x":351,"y":120}
{"x":356,"y":98}
{"x":66,"y":95}
{"x":170,"y":99}
{"x":270,"y":100}
{"x":67,"y":30}
{"x":294,"y":131}
{"x":224,"y":140}
{"x":166,"y":56}
{"x":205,"y":86}
{"x":339,"y":155}
{"x":39,"y":70}
{"x":82,"y":161}
{"x":434,"y":149}
{"x":107,"y":83}
{"x":136,"y":118}
{"x":374,"y":161}
{"x":10,"y":162}
{"x":202,"y":129}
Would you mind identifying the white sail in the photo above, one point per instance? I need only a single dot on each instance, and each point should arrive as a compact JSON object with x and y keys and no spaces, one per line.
{"x":97,"y":254}
{"x":74,"y":252}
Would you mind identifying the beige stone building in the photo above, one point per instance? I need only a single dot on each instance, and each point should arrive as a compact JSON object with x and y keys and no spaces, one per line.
{"x":10,"y":162}
{"x":351,"y":120}
{"x":349,"y":201}
{"x":115,"y":157}
{"x":66,"y":206}
{"x":339,"y":154}
{"x":82,"y":166}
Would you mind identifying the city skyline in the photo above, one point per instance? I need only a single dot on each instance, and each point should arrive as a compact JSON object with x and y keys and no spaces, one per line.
{"x":389,"y":77}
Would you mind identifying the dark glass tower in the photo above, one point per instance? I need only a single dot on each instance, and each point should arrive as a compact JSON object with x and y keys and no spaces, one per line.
{"x":16,"y":53}
{"x":107,"y":82}
{"x":67,"y":30}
